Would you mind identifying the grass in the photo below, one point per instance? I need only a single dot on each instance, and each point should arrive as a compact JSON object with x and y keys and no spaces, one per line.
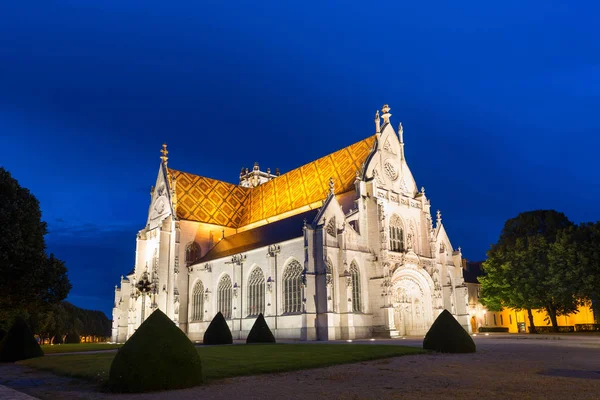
{"x":75,"y":347}
{"x":228,"y":361}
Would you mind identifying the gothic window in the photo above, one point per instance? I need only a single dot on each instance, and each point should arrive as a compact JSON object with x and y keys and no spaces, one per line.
{"x":292,"y":288}
{"x":329,"y":279}
{"x":356,"y":295}
{"x":198,"y":302}
{"x":192,"y":253}
{"x":224,"y":296}
{"x":396,"y":234}
{"x":256,"y":292}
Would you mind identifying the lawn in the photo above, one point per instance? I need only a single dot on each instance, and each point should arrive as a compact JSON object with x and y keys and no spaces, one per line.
{"x":75,"y":347}
{"x":227,"y":361}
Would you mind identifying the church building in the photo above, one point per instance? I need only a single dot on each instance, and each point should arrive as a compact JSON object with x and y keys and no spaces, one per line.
{"x":343,"y":247}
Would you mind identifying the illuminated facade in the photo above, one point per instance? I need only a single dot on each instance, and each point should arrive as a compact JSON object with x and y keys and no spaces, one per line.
{"x":343,"y":247}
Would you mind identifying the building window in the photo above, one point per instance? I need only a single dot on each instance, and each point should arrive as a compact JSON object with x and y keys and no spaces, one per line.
{"x":478,"y":293}
{"x":495,"y":324}
{"x":198,"y":302}
{"x":510,"y":319}
{"x":256,"y":292}
{"x":356,"y":297}
{"x":329,"y":280}
{"x":396,"y":234}
{"x":192,"y":253}
{"x":292,"y":288}
{"x":224,"y":296}
{"x":501,"y":320}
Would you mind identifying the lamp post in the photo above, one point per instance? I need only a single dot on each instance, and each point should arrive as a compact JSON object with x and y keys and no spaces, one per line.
{"x":144,"y":287}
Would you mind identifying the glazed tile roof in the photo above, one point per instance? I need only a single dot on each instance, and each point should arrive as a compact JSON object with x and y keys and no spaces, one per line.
{"x":209,"y":200}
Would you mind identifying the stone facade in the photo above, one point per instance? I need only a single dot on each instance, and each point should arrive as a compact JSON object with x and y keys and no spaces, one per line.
{"x":367,"y":260}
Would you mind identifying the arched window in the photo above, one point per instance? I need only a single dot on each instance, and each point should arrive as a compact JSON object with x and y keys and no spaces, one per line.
{"x":329,"y":279}
{"x":292,"y":288}
{"x":256,"y":292}
{"x":224,"y":296}
{"x":192,"y":253}
{"x":198,"y":302}
{"x":356,"y":295}
{"x":396,"y":234}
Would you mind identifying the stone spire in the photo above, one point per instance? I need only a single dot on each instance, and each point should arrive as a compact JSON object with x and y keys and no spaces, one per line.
{"x":386,"y":114}
{"x":164,"y":152}
{"x":377,"y":122}
{"x":439,"y":217}
{"x":401,"y":137}
{"x":331,"y":186}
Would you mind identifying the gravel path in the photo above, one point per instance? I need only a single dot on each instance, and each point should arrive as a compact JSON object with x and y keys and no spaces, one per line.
{"x":509,"y":367}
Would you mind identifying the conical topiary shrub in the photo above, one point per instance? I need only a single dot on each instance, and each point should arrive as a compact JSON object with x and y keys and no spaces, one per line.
{"x":447,"y":336}
{"x":158,"y":356}
{"x":218,"y":331}
{"x":19,"y":343}
{"x":260,"y":332}
{"x":72,"y":337}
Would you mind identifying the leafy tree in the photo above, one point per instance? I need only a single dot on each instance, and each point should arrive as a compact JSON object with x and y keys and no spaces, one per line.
{"x":30,"y":279}
{"x":532,"y":266}
{"x":587,"y":244}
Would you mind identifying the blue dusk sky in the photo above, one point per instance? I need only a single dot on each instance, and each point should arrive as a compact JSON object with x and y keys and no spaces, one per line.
{"x":499,"y":102}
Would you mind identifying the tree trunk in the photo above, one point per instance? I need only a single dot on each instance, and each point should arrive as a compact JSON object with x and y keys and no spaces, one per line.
{"x":596,"y":308}
{"x":531,"y":324}
{"x":551,"y":311}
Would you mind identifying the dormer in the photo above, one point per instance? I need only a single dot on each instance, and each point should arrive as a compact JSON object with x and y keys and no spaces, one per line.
{"x":253,"y":178}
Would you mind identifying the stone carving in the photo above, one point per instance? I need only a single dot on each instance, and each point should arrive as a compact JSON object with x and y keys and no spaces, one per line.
{"x":390,"y":170}
{"x":331,"y":228}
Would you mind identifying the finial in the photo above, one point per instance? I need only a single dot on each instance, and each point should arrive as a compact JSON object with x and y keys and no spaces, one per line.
{"x":439,"y":216}
{"x":401,"y":132}
{"x":269,"y":171}
{"x":377,"y":122}
{"x":277,"y":172}
{"x":331,"y":186}
{"x":423,"y":190}
{"x":151,"y":190}
{"x":386,"y":114}
{"x":164,"y":152}
{"x":459,"y":250}
{"x":256,"y":166}
{"x":242,"y":171}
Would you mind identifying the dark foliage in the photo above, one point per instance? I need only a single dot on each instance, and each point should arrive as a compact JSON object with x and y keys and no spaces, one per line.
{"x":57,"y":338}
{"x":30,"y":279}
{"x":158,"y":356}
{"x":19,"y":343}
{"x":218,"y":331}
{"x":484,"y":329}
{"x":260,"y":332}
{"x":65,"y":317}
{"x":2,"y":334}
{"x":447,"y":336}
{"x":72,"y":337}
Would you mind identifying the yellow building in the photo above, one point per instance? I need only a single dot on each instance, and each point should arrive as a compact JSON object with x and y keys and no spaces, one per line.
{"x":515,"y":320}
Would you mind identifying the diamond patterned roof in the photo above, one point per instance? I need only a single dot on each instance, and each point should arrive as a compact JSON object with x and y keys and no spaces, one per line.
{"x":216,"y":202}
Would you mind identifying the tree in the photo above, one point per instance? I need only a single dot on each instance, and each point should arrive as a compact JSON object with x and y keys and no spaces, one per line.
{"x":30,"y":279}
{"x":587,"y":243}
{"x":530,"y":266}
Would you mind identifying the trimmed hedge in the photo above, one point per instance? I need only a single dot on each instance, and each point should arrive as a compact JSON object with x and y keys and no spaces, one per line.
{"x":447,"y":336}
{"x":73,"y":337}
{"x":260,"y":332}
{"x":218,"y":331}
{"x":493,"y":329}
{"x":19,"y":343}
{"x":550,"y":329}
{"x":158,"y":356}
{"x":578,"y":328}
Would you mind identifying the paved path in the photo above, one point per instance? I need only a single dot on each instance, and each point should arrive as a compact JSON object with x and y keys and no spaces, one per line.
{"x":7,"y":393}
{"x":504,"y":367}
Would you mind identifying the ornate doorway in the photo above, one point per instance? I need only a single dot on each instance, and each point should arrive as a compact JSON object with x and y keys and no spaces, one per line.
{"x":413,"y":310}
